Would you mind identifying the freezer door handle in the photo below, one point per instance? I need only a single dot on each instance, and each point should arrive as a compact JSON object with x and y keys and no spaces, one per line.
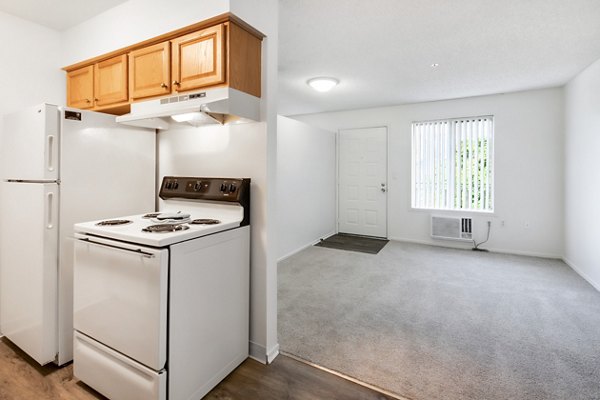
{"x":49,"y":210}
{"x":50,"y":154}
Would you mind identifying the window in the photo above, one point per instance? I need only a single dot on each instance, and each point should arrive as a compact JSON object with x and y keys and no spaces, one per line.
{"x":452,"y":164}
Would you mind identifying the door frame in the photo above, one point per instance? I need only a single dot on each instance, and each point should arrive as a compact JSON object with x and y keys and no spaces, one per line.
{"x":387,"y":173}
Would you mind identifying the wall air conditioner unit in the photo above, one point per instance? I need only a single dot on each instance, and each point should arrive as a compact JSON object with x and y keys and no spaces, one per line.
{"x":451,"y":228}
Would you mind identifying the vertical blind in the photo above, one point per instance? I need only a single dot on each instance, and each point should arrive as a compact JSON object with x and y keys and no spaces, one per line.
{"x":452,"y":164}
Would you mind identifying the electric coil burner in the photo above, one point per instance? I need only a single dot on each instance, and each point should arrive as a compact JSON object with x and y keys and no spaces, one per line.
{"x":113,"y":222}
{"x":160,"y":228}
{"x":151,"y":215}
{"x":205,"y":221}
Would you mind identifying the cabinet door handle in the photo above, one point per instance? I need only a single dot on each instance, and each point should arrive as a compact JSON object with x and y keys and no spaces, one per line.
{"x":176,"y":83}
{"x":95,"y":99}
{"x":164,"y":85}
{"x":88,"y":101}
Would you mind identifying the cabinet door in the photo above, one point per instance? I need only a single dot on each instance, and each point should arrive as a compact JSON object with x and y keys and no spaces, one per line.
{"x":199,"y":59}
{"x":149,"y":71}
{"x":80,"y":87}
{"x":110,"y":81}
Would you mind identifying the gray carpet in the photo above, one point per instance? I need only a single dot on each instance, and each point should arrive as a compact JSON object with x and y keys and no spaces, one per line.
{"x":361,"y":244}
{"x":432,"y":323}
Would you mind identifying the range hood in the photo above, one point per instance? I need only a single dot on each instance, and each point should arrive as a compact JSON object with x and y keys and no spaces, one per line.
{"x":212,"y":106}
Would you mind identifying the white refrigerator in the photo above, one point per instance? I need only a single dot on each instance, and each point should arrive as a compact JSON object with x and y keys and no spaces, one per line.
{"x":60,"y":166}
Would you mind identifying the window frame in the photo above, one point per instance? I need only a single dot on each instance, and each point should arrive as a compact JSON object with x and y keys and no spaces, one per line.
{"x":452,"y":133}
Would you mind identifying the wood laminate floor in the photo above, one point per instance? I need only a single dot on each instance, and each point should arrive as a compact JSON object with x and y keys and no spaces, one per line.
{"x":22,"y":379}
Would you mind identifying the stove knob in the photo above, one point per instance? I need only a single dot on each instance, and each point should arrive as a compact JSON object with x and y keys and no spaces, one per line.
{"x":175,"y":185}
{"x":168,"y":185}
{"x":223,"y":187}
{"x":232,"y":188}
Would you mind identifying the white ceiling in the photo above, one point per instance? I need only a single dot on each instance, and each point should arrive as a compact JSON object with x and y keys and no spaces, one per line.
{"x":382,"y":50}
{"x":57,"y":14}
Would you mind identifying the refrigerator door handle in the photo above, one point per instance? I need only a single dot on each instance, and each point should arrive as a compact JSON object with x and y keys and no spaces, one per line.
{"x":49,"y":213}
{"x":50,"y":154}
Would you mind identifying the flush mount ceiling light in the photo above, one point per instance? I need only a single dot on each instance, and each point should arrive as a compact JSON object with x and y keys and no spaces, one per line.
{"x":322,"y":84}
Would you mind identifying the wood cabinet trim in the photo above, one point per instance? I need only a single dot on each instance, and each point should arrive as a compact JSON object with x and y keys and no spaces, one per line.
{"x":215,"y":75}
{"x":86,"y":99}
{"x":161,"y":88}
{"x":169,"y":36}
{"x":119,"y":92}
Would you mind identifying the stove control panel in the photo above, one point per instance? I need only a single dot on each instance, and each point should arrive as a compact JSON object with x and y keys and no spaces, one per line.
{"x":214,"y":189}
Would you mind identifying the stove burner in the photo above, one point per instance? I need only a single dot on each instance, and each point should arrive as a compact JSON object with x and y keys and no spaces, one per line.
{"x":112,"y":222}
{"x":205,"y":221}
{"x":163,"y":228}
{"x":151,"y":215}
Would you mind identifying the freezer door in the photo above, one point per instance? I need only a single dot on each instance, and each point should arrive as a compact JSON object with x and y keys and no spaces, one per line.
{"x":28,"y":267}
{"x":30,"y":144}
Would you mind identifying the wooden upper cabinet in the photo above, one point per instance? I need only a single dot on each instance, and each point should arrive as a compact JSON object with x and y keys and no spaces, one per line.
{"x":150,"y":71}
{"x":110,"y":81}
{"x":198,"y":59}
{"x":221,"y":52}
{"x":80,"y":87}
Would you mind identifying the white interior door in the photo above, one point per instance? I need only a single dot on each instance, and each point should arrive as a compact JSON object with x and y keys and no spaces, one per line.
{"x":362,"y":181}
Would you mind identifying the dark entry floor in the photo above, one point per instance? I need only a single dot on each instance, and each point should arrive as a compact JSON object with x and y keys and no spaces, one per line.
{"x":346,"y":241}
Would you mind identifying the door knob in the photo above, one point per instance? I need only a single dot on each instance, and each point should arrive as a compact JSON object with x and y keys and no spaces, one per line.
{"x":383,"y":189}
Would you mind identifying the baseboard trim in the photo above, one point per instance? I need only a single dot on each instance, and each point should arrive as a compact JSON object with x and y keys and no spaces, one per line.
{"x":581,"y":273}
{"x":312,"y":243}
{"x":259,"y":353}
{"x":346,"y":377}
{"x":271,"y":355}
{"x":467,"y":246}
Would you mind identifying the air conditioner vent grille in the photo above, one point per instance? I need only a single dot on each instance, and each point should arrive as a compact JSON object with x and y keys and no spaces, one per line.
{"x":451,"y":228}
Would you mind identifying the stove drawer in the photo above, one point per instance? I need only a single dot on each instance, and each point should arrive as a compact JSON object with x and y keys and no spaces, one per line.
{"x":114,"y":375}
{"x":120,"y":297}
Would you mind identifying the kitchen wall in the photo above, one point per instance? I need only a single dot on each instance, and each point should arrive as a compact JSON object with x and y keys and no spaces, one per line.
{"x":528,"y":215}
{"x":306,"y":181}
{"x":582,"y":185}
{"x":29,"y":72}
{"x":263,"y":15}
{"x":132,"y":22}
{"x":247,"y":150}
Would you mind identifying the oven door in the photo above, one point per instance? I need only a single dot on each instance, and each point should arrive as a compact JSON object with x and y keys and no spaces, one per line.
{"x":120,"y":297}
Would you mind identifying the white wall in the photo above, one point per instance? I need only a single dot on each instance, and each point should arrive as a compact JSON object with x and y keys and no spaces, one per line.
{"x":263,"y":15}
{"x":132,"y":22}
{"x":306,"y":180}
{"x":247,"y":150}
{"x":582,"y":185}
{"x":29,"y":71}
{"x":528,"y":167}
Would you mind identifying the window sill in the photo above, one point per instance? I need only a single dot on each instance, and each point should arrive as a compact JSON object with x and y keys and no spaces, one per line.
{"x":448,"y":211}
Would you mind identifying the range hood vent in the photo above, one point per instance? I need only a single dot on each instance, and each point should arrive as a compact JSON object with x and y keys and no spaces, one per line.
{"x":214,"y":106}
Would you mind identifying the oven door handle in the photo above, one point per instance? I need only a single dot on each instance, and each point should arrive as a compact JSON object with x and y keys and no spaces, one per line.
{"x":136,"y":251}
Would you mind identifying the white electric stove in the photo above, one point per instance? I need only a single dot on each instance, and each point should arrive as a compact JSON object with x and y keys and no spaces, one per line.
{"x":161,"y":300}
